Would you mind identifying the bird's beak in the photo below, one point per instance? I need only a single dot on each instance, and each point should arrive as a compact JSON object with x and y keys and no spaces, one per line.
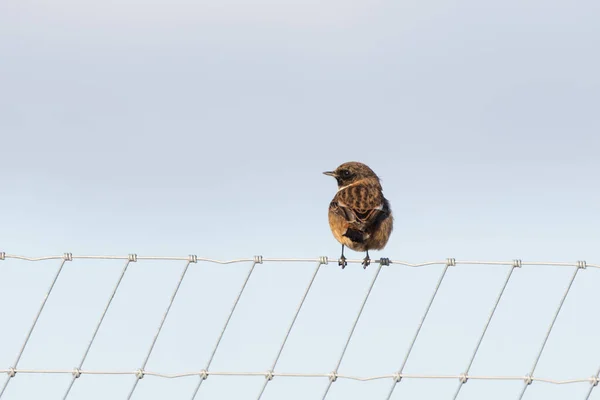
{"x":329,"y":173}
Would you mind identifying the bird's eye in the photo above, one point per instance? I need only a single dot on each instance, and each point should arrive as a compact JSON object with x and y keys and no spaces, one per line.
{"x":345,"y":173}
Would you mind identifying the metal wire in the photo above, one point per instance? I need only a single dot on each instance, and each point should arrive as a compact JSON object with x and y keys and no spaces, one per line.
{"x":91,"y":342}
{"x":414,"y":339}
{"x":485,"y":328}
{"x":291,"y":326}
{"x":235,"y":303}
{"x":334,"y":374}
{"x":595,"y":380}
{"x":354,"y":261}
{"x":65,"y":258}
{"x":539,"y":355}
{"x":271,"y":373}
{"x":140,"y":373}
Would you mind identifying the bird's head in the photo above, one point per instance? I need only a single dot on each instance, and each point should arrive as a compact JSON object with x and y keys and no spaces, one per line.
{"x":351,"y":172}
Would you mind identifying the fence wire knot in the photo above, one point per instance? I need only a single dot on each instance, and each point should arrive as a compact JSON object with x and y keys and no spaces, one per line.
{"x":528,"y":379}
{"x":517,"y":263}
{"x":397,"y":377}
{"x":139,"y":373}
{"x":269,"y":375}
{"x":581,"y":264}
{"x":258,"y":259}
{"x":192,"y":258}
{"x":463,"y":378}
{"x":323,"y":260}
{"x":333,"y":376}
{"x":204,"y":374}
{"x":132,"y":257}
{"x":68,"y":257}
{"x":384,"y":261}
{"x":11,"y":372}
{"x":594,"y":380}
{"x":451,"y":262}
{"x":2,"y":255}
{"x":76,"y":372}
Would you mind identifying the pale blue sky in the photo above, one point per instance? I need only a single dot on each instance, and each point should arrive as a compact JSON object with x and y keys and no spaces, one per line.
{"x":176,"y":128}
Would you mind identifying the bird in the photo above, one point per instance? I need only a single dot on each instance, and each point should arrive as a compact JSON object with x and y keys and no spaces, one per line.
{"x":360,"y":216}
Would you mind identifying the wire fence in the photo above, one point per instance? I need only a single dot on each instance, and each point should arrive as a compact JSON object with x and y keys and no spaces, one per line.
{"x":394,"y":377}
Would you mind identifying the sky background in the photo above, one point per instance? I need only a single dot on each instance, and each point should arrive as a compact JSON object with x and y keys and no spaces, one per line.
{"x":176,"y":128}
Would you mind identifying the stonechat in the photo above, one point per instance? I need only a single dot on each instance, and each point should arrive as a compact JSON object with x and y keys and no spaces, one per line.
{"x":359,"y":215}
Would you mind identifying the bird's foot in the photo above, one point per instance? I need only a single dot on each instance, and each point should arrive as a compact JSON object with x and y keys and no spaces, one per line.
{"x":366,"y":262}
{"x":342,"y":262}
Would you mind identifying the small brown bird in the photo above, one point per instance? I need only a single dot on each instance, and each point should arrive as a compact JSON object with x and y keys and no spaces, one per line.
{"x":359,"y":216}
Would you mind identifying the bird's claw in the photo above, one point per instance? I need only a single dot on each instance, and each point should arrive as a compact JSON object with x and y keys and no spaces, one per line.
{"x":366,"y":262}
{"x":342,"y":262}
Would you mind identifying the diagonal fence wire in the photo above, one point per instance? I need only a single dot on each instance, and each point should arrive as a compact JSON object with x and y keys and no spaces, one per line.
{"x":66,"y":257}
{"x":76,"y":372}
{"x":204,"y":374}
{"x":449,"y":262}
{"x":269,"y":377}
{"x":140,"y":374}
{"x":528,"y":380}
{"x":463,"y":379}
{"x":333,"y":375}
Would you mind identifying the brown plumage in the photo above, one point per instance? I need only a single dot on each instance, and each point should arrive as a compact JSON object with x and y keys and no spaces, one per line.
{"x":359,"y":215}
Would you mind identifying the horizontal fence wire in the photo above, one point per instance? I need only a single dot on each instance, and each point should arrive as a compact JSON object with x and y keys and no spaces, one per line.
{"x":269,"y":374}
{"x":330,"y":377}
{"x":324,"y":260}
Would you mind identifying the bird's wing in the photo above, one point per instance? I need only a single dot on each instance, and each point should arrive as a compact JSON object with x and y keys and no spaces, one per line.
{"x":360,"y":218}
{"x":361,"y":206}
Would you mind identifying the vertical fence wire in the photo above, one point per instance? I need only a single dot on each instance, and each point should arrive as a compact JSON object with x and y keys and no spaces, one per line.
{"x":333,"y":376}
{"x":322,"y":261}
{"x":66,"y":257}
{"x":160,"y":326}
{"x":539,"y":355}
{"x":487,"y":324}
{"x":416,"y":335}
{"x":132,"y":258}
{"x":257,"y":260}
